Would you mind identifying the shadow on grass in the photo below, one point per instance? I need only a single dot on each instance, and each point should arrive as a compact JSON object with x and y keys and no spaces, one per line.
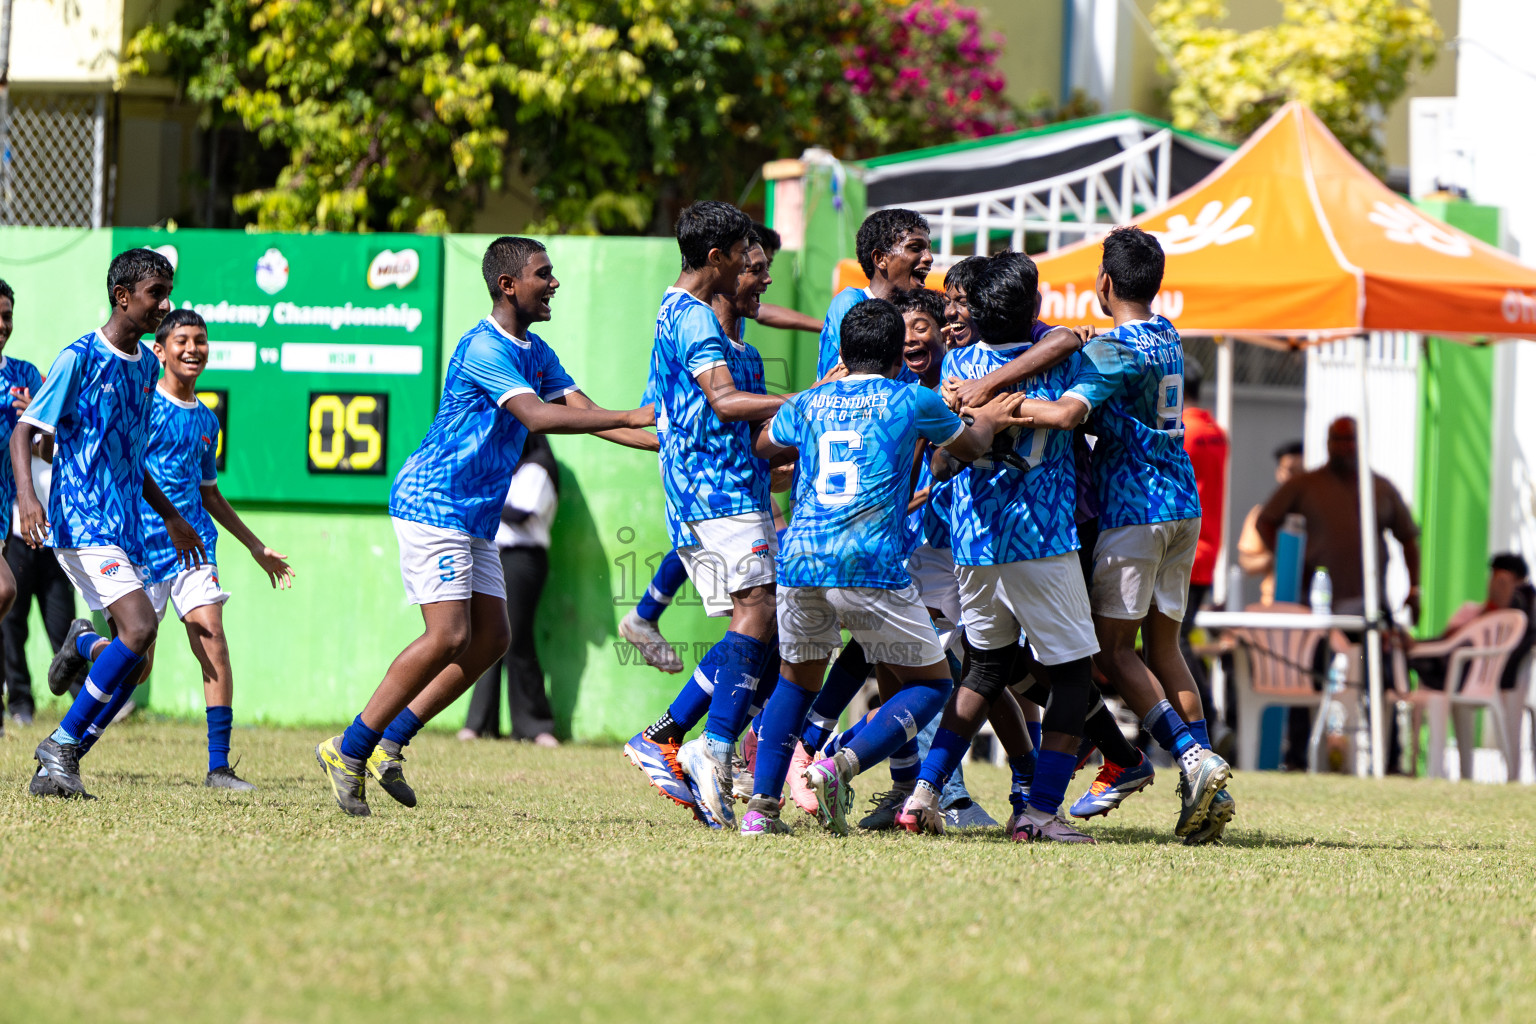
{"x":1244,"y":839}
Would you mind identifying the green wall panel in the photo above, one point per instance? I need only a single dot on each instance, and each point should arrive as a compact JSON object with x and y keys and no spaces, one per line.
{"x":60,"y":279}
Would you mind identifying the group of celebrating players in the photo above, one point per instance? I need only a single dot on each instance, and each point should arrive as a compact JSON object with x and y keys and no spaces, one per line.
{"x":949,"y":514}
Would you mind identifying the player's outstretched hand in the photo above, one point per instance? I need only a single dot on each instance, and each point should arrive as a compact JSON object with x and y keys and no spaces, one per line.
{"x":189,"y":546}
{"x":33,"y":522}
{"x":275,"y":565}
{"x":1004,"y":411}
{"x":21,"y":398}
{"x":645,"y":416}
{"x":1085,"y":333}
{"x":970,"y":394}
{"x":837,"y":372}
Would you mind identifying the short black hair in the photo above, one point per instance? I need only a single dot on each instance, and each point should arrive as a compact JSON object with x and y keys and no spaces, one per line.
{"x":508,"y":255}
{"x":920,"y":300}
{"x":1295,"y":448}
{"x":881,"y":231}
{"x":178,"y":318}
{"x":772,"y":243}
{"x":963,"y":275}
{"x":1133,"y":260}
{"x":873,"y":336}
{"x":707,"y":225}
{"x":134,"y":265}
{"x":1194,"y":376}
{"x":6,"y":293}
{"x":1510,"y":562}
{"x":1003,"y":300}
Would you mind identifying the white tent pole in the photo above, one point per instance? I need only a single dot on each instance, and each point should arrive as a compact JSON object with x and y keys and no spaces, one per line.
{"x":1224,"y":421}
{"x":1371,"y":580}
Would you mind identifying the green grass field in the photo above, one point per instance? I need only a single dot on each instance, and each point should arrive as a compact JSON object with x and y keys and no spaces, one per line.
{"x":553,"y":885}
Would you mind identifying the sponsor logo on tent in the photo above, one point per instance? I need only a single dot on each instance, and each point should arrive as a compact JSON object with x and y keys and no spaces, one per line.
{"x":1403,"y":224}
{"x":1213,"y":226}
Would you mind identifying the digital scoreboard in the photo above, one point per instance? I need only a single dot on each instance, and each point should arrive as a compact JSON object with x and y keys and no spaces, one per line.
{"x":324,"y":355}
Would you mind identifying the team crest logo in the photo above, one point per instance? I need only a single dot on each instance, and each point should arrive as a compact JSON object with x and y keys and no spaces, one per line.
{"x":760,"y":547}
{"x":205,"y":439}
{"x":272,"y":272}
{"x":213,"y":574}
{"x":111,"y":567}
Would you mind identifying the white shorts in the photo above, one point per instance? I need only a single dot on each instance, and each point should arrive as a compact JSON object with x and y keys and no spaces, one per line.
{"x":446,"y":565}
{"x":103,"y":574}
{"x":933,"y":573}
{"x":731,"y":554}
{"x":1134,"y":566}
{"x":1045,"y":597}
{"x":187,"y":590}
{"x":891,"y":625}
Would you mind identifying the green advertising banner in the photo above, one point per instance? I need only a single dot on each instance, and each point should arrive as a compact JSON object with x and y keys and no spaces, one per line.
{"x":323,"y":355}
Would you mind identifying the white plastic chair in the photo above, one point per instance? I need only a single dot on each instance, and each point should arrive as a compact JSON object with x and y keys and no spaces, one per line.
{"x":1274,"y":666}
{"x":1478,"y":652}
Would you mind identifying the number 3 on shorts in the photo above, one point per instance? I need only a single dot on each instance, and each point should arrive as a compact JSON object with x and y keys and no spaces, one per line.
{"x":830,"y":467}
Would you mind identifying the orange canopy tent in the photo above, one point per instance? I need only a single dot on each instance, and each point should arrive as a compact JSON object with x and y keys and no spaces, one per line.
{"x":1291,"y":238}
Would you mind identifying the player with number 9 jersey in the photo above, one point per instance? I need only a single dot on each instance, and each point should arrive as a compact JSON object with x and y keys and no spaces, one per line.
{"x":1134,"y":382}
{"x":855,"y":437}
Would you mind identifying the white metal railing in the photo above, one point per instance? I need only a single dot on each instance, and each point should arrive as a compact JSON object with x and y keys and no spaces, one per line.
{"x":1066,"y":208}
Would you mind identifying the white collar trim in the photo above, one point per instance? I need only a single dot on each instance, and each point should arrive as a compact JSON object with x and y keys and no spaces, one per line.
{"x":174,"y":400}
{"x":514,"y":339}
{"x":137,"y":354}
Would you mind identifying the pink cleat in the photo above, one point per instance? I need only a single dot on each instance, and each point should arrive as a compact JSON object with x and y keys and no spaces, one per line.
{"x":800,"y":791}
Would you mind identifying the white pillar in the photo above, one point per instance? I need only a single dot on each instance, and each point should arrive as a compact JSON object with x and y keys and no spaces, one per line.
{"x":1371,"y":581}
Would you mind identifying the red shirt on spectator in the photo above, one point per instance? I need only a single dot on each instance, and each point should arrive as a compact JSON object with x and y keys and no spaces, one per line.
{"x":1206,"y":444}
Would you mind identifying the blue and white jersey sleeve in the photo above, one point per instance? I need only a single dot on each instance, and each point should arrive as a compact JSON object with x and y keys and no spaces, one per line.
{"x":555,"y":382}
{"x":704,"y":344}
{"x":781,"y":429}
{"x":210,"y":447}
{"x":1106,"y":367}
{"x":489,"y":366}
{"x":936,"y":421}
{"x":830,"y":351}
{"x":55,"y":400}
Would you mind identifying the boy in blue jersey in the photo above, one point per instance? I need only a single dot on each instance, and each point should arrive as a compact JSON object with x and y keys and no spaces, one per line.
{"x":843,"y":562}
{"x":710,"y":390}
{"x":182,"y":455}
{"x":1149,"y":513}
{"x":895,"y":253}
{"x":503,"y":383}
{"x":96,"y":402}
{"x":19,"y":381}
{"x":1014,"y":544}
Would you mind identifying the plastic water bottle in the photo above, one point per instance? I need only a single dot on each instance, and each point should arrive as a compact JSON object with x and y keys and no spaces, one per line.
{"x":1321,"y":594}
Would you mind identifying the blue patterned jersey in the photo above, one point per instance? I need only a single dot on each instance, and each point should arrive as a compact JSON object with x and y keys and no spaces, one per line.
{"x":707,"y":467}
{"x":16,"y":376}
{"x":936,"y":515}
{"x":96,"y":401}
{"x":182,"y":455}
{"x":1134,"y":381}
{"x":917,"y":518}
{"x":855,"y":437}
{"x":458,"y":478}
{"x":1018,"y":501}
{"x":831,"y":347}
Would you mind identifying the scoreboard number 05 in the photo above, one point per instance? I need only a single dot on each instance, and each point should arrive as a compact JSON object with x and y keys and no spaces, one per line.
{"x":348,"y":432}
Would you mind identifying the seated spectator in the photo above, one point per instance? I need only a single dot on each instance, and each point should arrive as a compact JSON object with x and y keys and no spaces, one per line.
{"x":1252,"y":556}
{"x":1509,"y":586}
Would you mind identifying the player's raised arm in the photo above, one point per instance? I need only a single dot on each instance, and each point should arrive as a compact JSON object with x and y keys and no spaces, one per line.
{"x":1065,"y":413}
{"x":786,"y":319}
{"x":972,"y":442}
{"x":732,"y":404}
{"x":1056,"y":345}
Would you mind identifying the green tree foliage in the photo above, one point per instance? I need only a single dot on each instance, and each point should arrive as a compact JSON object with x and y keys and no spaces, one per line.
{"x":1348,"y":60}
{"x":404,"y":114}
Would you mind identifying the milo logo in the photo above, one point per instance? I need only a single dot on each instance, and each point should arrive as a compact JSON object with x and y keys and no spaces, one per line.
{"x":393,"y":268}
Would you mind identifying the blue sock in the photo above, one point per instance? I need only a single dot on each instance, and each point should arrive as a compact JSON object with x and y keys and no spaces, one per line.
{"x":782,"y":719}
{"x":845,"y":737}
{"x":737,"y":660}
{"x":1022,"y":768}
{"x":669,"y":577}
{"x":844,"y":679}
{"x":1168,"y":729}
{"x":1197,"y":730}
{"x":359,"y":740}
{"x":84,"y":642}
{"x":767,"y":681}
{"x":404,"y":728}
{"x":1053,"y":770}
{"x":221,"y":719}
{"x":116,"y":665}
{"x":943,"y":757}
{"x":104,"y":717}
{"x":899,"y":720}
{"x":905,"y":762}
{"x":1034,"y":730}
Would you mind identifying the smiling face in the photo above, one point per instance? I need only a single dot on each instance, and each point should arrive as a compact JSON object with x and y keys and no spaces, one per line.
{"x":751,"y":283}
{"x":907,"y":263}
{"x":184,"y":353}
{"x":958,"y":329}
{"x":145,"y":304}
{"x":729,"y":264}
{"x":532,"y":290}
{"x":923,"y":351}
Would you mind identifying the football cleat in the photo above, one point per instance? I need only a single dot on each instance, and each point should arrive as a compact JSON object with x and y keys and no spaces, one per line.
{"x":225,"y":778}
{"x":1223,"y":807}
{"x":67,"y":667}
{"x":1054,"y":830}
{"x":801,"y":793}
{"x":969,"y":816}
{"x":884,"y":808}
{"x":659,"y":762}
{"x":762,"y":819}
{"x":645,"y":637}
{"x":711,"y":782}
{"x":921,"y":812}
{"x":1200,"y":784}
{"x":346,"y":777}
{"x":1113,"y":785}
{"x":62,"y":763}
{"x":387,"y":765}
{"x":833,"y":787}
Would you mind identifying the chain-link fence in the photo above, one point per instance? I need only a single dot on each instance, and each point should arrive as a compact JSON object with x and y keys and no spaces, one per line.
{"x":53,"y":159}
